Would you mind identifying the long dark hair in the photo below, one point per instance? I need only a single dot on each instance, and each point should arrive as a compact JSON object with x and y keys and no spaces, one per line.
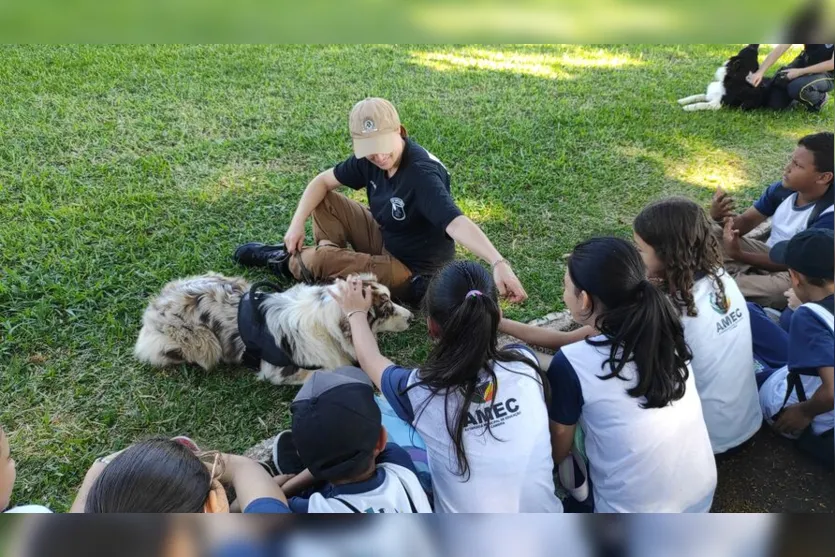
{"x":154,"y":476}
{"x":680,"y":233}
{"x":462,"y":300}
{"x":640,"y":323}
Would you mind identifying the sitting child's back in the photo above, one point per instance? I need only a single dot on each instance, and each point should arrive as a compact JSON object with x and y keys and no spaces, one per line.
{"x":505,"y":435}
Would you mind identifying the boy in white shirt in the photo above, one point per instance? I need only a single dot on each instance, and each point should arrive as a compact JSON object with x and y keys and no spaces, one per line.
{"x":338,"y":433}
{"x":801,"y":200}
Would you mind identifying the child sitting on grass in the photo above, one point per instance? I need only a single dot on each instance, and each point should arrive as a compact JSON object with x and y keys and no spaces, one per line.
{"x":796,"y":381}
{"x":8,"y":475}
{"x":801,"y":200}
{"x":338,"y":435}
{"x":479,"y":409}
{"x":168,"y":476}
{"x":630,"y":388}
{"x":675,"y":241}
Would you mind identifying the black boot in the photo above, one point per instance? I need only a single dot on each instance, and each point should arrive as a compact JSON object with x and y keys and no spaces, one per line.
{"x":255,"y":254}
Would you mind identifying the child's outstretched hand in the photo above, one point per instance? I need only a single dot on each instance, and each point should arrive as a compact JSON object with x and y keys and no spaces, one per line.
{"x":730,"y":239}
{"x":352,"y":297}
{"x":722,"y":205}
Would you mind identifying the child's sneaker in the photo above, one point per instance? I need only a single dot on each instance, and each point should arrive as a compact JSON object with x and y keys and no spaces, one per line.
{"x":573,"y":476}
{"x":285,"y":458}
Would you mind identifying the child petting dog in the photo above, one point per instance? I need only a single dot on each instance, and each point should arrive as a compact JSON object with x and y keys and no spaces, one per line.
{"x":480,"y":409}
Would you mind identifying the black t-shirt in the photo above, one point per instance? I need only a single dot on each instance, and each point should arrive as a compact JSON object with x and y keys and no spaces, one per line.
{"x":413,"y":207}
{"x":816,"y":53}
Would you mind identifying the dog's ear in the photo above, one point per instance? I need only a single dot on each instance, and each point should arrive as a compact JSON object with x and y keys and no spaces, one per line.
{"x":381,"y":304}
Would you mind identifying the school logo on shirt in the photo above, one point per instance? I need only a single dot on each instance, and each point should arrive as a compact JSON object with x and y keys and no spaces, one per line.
{"x":398,"y":209}
{"x":718,"y":304}
{"x":484,"y":408}
{"x":484,"y":392}
{"x":732,"y":317}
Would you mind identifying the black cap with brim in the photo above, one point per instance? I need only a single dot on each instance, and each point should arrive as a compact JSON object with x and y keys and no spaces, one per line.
{"x":810,"y":253}
{"x":336,"y":423}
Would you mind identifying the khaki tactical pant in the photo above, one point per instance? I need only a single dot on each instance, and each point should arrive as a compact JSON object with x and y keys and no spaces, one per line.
{"x":762,"y":287}
{"x":345,"y":222}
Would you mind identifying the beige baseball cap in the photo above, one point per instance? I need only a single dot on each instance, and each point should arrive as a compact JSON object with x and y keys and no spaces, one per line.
{"x":375,"y":127}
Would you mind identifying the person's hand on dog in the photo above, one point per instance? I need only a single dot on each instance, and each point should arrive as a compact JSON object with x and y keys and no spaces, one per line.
{"x":508,"y":283}
{"x":722,"y":205}
{"x":352,"y":297}
{"x":755,"y":78}
{"x":730,"y":239}
{"x":294,"y":238}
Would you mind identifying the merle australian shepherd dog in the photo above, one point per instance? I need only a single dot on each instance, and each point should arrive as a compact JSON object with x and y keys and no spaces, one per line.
{"x":730,"y":86}
{"x":211,"y":319}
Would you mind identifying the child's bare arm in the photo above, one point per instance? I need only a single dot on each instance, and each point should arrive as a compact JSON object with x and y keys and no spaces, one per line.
{"x":562,"y":439}
{"x":298,"y":483}
{"x":250,"y":480}
{"x":540,"y":336}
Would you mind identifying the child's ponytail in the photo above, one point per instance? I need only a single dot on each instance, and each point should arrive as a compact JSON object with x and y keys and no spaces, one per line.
{"x":462,"y":301}
{"x":639,"y":322}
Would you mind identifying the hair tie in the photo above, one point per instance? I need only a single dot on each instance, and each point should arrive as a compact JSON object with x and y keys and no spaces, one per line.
{"x":642,"y":287}
{"x":472,"y":293}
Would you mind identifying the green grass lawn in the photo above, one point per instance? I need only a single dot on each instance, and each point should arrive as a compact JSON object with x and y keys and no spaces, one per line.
{"x":122,"y":168}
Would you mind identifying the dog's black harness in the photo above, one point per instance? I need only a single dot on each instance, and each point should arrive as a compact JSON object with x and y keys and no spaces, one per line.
{"x":259,"y":342}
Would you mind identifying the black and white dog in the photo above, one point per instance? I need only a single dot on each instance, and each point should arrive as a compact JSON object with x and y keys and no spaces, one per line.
{"x":209,"y":319}
{"x":731,"y":87}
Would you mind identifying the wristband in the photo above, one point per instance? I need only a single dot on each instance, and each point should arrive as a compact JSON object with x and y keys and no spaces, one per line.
{"x":350,"y":313}
{"x":496,"y":263}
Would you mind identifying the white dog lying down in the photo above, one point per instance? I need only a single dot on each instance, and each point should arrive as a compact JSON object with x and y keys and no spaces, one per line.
{"x":282,"y":334}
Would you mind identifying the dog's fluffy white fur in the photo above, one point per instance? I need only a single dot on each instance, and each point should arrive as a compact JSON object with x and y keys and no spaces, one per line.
{"x":195,"y":320}
{"x":712,"y":99}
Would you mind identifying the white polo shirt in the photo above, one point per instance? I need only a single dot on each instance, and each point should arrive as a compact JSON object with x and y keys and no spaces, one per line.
{"x":640,"y":459}
{"x":723,"y":363}
{"x":511,"y":468}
